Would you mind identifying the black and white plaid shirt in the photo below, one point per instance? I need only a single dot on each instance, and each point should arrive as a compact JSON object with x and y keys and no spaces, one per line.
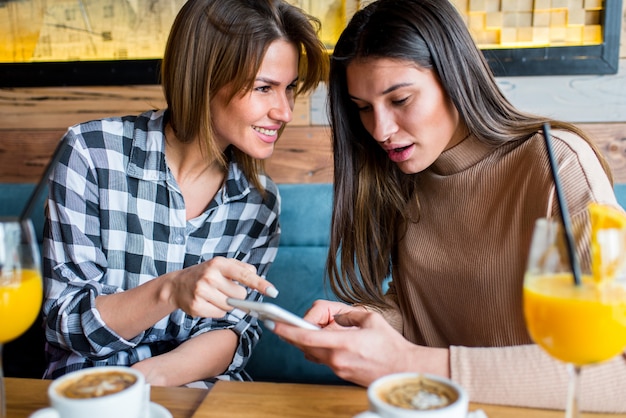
{"x":116,"y":220}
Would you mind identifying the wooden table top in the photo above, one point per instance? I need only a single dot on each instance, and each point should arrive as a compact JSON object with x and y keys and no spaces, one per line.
{"x":271,"y":400}
{"x":25,"y":396}
{"x":255,"y":400}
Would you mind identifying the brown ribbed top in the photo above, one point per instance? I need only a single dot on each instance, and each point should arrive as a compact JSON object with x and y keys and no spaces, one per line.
{"x":458,"y":282}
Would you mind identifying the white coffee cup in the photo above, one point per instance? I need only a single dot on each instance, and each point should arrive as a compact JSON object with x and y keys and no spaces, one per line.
{"x":130,"y":402}
{"x":433,"y":391}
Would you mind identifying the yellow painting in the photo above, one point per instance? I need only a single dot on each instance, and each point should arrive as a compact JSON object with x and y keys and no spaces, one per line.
{"x":103,"y":30}
{"x":82,"y":30}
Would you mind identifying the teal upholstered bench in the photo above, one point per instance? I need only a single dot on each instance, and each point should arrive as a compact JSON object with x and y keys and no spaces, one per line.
{"x":620,"y":193}
{"x":298,"y":273}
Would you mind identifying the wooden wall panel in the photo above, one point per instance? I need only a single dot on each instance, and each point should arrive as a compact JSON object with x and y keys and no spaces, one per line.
{"x":59,"y":107}
{"x":302,"y":155}
{"x":32,"y":120}
{"x":24,"y":154}
{"x":611,"y":138}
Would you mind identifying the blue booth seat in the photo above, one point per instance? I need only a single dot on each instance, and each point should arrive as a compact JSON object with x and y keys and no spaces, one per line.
{"x":620,"y":193}
{"x":298,"y":273}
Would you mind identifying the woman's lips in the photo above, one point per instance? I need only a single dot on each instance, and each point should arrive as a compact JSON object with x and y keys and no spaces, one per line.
{"x":266,"y":134}
{"x":401,"y":153}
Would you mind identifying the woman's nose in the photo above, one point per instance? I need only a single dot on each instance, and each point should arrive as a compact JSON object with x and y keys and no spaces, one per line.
{"x":282,"y":109}
{"x":383,"y":126}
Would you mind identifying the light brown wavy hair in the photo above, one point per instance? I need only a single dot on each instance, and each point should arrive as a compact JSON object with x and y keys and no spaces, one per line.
{"x":219,"y":43}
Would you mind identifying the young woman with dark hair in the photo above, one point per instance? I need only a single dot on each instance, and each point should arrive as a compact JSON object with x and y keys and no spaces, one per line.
{"x":438,"y":182}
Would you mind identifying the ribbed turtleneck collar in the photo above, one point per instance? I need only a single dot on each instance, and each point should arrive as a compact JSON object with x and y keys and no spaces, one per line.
{"x":461,"y":157}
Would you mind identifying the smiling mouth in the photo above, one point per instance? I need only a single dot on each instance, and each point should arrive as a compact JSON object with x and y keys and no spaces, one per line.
{"x":269,"y":132}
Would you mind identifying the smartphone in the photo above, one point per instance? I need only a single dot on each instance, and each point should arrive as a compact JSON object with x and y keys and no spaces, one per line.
{"x":269,"y":311}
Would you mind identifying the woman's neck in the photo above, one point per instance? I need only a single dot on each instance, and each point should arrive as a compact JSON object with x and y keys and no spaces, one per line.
{"x":187,"y":160}
{"x":198,"y":177}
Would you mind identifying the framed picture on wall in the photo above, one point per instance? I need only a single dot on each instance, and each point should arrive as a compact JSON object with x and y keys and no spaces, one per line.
{"x":570,"y":37}
{"x":83,"y":42}
{"x":121,"y":42}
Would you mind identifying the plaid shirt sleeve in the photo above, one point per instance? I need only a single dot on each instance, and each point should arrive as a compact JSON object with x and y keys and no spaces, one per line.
{"x":116,"y":219}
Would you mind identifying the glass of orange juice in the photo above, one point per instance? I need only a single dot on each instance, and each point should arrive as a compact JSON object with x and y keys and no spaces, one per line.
{"x":578,"y":323}
{"x":21,"y":289}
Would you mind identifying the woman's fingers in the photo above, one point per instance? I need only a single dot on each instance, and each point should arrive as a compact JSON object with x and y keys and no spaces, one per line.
{"x":244,"y":274}
{"x":215,"y":292}
{"x":202,"y":290}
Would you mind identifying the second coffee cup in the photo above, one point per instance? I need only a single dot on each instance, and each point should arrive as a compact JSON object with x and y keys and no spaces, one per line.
{"x":415,"y":395}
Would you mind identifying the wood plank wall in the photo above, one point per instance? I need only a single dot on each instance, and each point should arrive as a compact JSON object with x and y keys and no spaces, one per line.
{"x":32,"y":120}
{"x":302,"y":155}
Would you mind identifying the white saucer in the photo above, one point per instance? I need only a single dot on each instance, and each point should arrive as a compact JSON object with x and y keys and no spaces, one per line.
{"x":154,"y":411}
{"x":479,"y":413}
{"x":158,"y":411}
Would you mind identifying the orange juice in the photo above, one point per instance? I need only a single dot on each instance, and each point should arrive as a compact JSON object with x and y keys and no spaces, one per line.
{"x":577,"y":324}
{"x":20,"y":301}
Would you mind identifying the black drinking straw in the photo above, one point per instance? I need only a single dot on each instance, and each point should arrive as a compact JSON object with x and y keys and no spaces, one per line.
{"x":34,"y":197}
{"x":567,"y":222}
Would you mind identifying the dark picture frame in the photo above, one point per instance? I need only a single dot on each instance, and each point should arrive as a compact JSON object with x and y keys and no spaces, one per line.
{"x":555,"y":60}
{"x":80,"y":73}
{"x":565,"y":60}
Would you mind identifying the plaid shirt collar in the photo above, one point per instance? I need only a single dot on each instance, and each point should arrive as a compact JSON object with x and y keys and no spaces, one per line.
{"x":147,"y":158}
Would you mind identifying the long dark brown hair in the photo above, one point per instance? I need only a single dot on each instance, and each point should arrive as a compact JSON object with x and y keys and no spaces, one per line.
{"x":370,"y":192}
{"x":219,"y":43}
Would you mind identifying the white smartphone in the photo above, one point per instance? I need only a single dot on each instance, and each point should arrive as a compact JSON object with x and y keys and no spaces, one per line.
{"x":269,"y":311}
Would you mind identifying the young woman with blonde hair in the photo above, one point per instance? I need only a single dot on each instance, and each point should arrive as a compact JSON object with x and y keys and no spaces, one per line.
{"x":154,"y":220}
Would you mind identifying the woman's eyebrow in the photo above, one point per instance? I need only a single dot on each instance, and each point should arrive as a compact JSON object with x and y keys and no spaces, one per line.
{"x":396,"y":87}
{"x":386,"y":91}
{"x":273,"y":82}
